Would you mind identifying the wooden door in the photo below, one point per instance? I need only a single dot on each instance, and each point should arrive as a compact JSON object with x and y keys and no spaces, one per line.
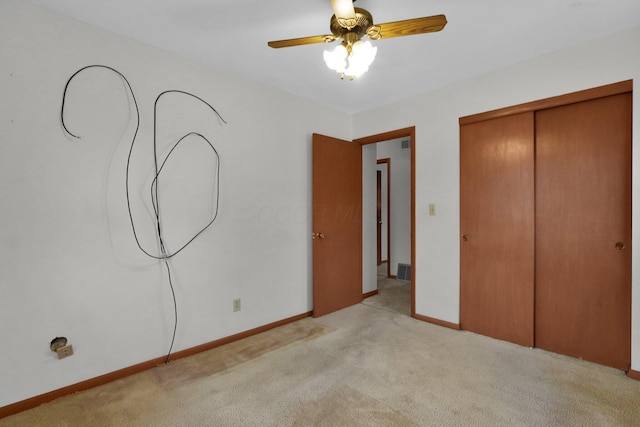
{"x":337,"y":224}
{"x":583,"y":230}
{"x":497,"y":228}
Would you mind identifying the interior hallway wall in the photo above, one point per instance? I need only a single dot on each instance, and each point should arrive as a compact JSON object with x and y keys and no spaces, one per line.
{"x":369,"y":238}
{"x":400,"y":201}
{"x":384,"y":178}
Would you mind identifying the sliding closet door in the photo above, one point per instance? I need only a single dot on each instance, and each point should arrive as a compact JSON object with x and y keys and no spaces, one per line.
{"x":497,"y":228}
{"x":583,"y":230}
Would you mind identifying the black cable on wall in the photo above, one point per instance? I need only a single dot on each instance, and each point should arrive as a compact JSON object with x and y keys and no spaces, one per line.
{"x":163,"y":255}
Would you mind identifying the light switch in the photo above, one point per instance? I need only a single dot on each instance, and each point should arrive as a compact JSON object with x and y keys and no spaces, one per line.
{"x":432,"y":209}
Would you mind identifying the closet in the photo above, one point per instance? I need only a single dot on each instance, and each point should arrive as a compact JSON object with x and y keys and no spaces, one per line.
{"x":545,"y":224}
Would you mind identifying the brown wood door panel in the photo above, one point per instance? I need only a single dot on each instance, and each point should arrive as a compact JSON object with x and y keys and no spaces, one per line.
{"x":583,"y":207}
{"x":497,"y":228}
{"x":337,"y":216}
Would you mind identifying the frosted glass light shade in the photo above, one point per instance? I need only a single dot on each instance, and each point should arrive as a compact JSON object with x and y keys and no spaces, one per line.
{"x":354,"y":64}
{"x":336,"y":59}
{"x":362,"y":56}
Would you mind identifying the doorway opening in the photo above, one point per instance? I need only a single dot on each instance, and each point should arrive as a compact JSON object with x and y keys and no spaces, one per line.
{"x":389,"y":236}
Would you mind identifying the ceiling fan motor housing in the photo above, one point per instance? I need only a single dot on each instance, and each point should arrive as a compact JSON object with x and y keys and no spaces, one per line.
{"x":352,"y":30}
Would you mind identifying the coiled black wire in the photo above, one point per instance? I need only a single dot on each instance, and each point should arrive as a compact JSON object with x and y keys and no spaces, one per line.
{"x":164,"y":255}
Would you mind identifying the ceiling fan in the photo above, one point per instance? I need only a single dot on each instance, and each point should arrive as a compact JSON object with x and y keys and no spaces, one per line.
{"x":353,"y":56}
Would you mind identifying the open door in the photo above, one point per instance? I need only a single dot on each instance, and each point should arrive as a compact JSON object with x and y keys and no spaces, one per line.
{"x":337,"y":224}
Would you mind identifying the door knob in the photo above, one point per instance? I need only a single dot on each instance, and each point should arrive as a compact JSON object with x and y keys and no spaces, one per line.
{"x":619,"y":246}
{"x":465,"y":237}
{"x":317,"y":236}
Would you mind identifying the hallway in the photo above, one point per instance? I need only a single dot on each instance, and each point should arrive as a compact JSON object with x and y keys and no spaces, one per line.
{"x":393,"y":295}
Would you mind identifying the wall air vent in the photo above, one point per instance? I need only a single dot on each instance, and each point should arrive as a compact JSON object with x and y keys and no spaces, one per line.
{"x":404,"y":272}
{"x":404,"y":144}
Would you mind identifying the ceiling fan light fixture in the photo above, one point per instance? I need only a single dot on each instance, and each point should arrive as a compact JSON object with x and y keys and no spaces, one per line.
{"x":344,"y":12}
{"x":352,"y":57}
{"x":363,"y":52}
{"x":352,"y":62}
{"x":336,"y":59}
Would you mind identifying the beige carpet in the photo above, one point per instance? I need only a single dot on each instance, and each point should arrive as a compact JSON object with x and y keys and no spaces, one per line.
{"x":394,"y":295}
{"x":361,"y":366}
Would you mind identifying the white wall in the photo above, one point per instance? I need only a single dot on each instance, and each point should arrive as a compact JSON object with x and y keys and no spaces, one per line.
{"x":400,"y":201}
{"x":435,"y":115}
{"x":69,"y":263}
{"x":369,"y":219}
{"x":384,"y":198}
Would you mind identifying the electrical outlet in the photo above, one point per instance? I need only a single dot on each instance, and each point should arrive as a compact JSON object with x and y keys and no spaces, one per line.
{"x":65,"y":351}
{"x":236,"y":304}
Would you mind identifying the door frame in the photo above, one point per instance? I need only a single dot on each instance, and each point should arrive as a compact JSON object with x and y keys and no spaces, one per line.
{"x":386,"y":136}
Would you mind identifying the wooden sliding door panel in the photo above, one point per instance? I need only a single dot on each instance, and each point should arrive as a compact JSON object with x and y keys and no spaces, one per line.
{"x":583,"y":230}
{"x":497,"y":228}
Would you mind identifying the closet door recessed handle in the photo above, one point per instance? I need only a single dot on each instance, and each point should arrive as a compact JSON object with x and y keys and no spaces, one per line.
{"x":619,"y":246}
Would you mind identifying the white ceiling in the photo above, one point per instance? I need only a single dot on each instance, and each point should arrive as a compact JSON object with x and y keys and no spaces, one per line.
{"x":232,"y":35}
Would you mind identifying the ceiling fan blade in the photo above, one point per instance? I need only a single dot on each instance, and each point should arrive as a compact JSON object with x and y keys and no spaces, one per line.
{"x":345,"y":13}
{"x":428,"y":24}
{"x":301,"y":41}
